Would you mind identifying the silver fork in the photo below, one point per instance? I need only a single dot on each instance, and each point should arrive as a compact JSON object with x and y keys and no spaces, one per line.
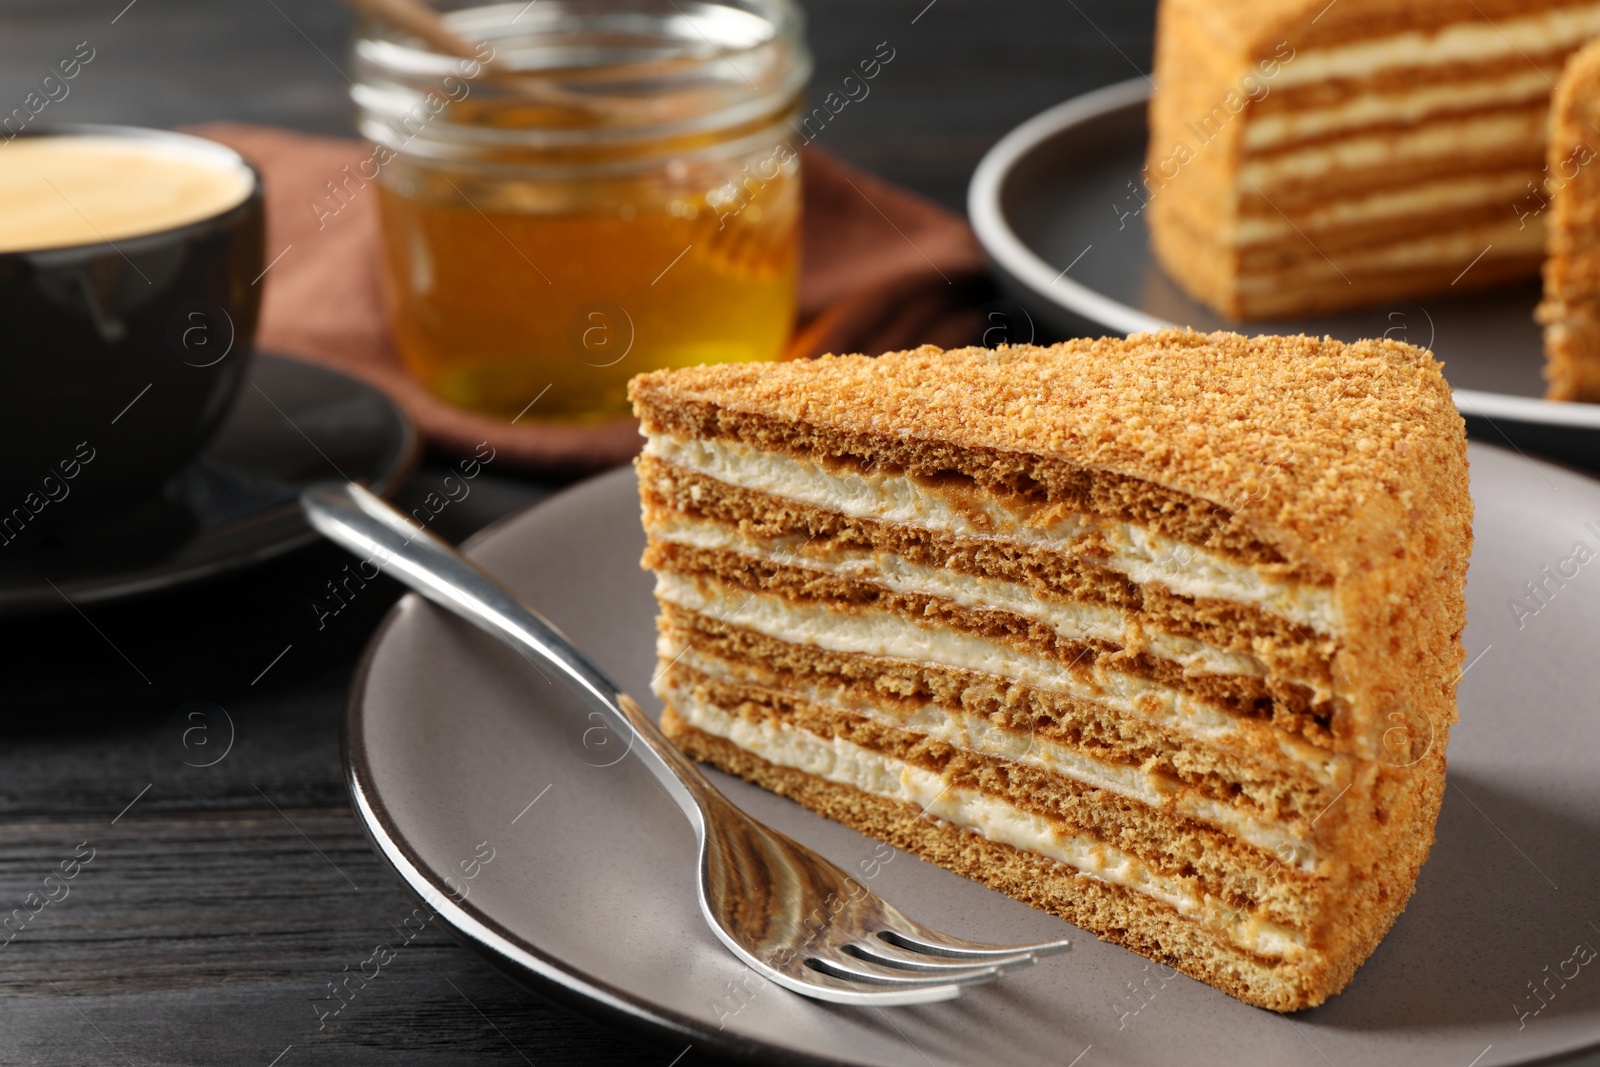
{"x":786,"y":912}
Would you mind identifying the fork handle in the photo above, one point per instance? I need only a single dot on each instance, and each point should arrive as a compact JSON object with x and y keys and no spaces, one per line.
{"x":358,"y":520}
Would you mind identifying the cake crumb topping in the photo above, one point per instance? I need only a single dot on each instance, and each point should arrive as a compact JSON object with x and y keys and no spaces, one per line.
{"x":1322,"y":446}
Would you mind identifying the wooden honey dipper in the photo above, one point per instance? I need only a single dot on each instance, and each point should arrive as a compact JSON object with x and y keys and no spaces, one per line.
{"x":545,"y":85}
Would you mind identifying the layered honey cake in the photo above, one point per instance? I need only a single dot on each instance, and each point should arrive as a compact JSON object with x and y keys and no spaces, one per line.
{"x":1160,"y":635}
{"x":1306,"y":156}
{"x":1570,"y":312}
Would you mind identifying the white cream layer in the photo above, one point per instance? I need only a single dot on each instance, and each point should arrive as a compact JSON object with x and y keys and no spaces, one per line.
{"x":1380,"y":108}
{"x":1143,"y":555}
{"x":890,"y":636}
{"x":1500,"y":191}
{"x":1073,"y":620}
{"x":1393,"y":150}
{"x":848,"y":764}
{"x":974,"y":733}
{"x":1472,"y":41}
{"x":1456,"y":249}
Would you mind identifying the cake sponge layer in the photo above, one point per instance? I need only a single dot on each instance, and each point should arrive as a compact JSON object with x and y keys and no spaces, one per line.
{"x":1246,"y":768}
{"x":1238,"y":609}
{"x":1112,"y":912}
{"x":1290,"y":705}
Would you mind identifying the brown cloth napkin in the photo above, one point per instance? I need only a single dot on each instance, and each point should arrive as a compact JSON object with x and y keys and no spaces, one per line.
{"x":882,"y":269}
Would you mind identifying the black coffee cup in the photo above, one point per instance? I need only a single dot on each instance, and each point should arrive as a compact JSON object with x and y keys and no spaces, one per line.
{"x":121,"y":357}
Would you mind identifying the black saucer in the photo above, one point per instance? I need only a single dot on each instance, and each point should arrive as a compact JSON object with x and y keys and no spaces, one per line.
{"x":294,"y":423}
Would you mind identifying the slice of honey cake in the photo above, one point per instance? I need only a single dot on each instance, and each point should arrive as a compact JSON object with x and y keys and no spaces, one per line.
{"x":1160,"y":635}
{"x":1307,"y":155}
{"x":1570,"y":311}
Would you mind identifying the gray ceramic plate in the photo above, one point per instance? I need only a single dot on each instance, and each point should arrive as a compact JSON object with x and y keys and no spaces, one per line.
{"x":457,"y":751}
{"x":1058,"y":207}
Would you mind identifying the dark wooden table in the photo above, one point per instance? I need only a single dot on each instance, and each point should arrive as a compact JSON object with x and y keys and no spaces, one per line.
{"x":221,"y":901}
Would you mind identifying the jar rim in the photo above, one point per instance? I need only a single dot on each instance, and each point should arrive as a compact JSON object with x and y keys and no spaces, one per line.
{"x":784,"y":18}
{"x":645,"y":70}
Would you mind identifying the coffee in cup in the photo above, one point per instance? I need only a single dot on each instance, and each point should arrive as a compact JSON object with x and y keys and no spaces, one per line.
{"x":63,"y":190}
{"x":129,"y":263}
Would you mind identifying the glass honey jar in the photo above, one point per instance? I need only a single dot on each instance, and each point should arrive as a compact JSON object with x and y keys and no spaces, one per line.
{"x":597,"y":189}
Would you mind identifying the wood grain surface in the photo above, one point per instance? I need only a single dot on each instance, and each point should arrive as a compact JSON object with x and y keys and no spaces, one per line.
{"x":221,"y":901}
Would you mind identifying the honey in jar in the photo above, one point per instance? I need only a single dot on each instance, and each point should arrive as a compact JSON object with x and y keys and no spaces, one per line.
{"x":614,"y":194}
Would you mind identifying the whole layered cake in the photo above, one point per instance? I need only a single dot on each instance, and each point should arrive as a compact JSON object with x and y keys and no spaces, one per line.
{"x":1307,"y":155}
{"x":1160,"y":635}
